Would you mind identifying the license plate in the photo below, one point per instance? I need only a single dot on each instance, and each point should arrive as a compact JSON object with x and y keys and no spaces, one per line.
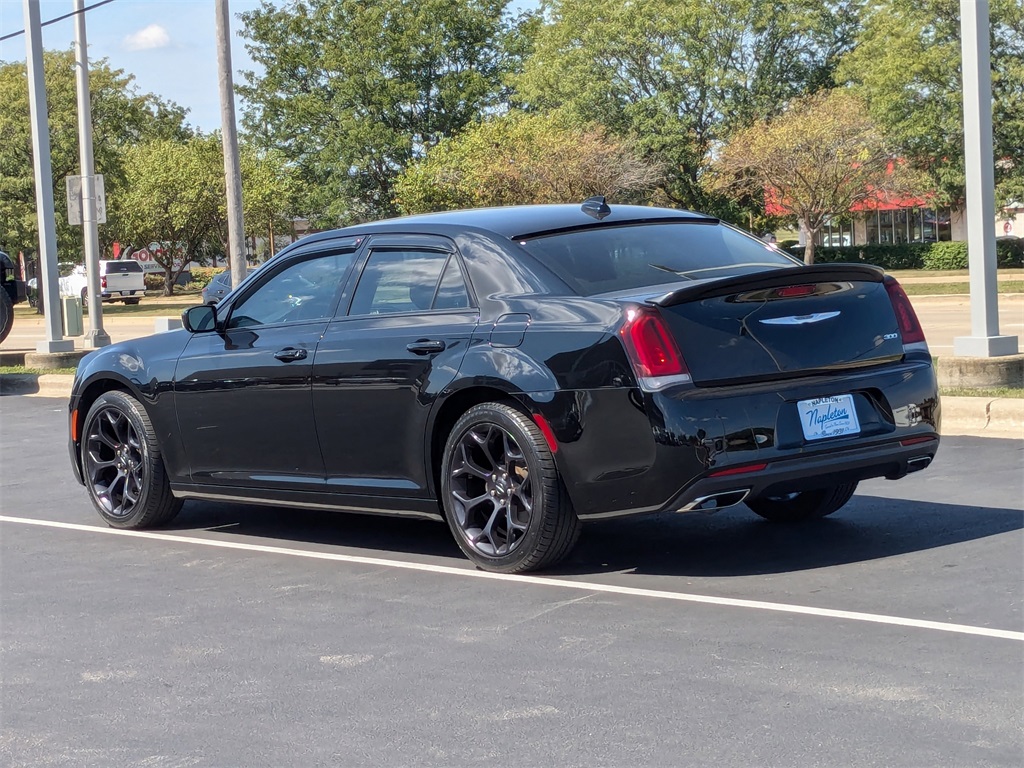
{"x":126,"y":293}
{"x":828,"y":417}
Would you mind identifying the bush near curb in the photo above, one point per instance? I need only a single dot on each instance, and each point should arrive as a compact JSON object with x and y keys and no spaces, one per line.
{"x":943,"y":255}
{"x":201,"y":276}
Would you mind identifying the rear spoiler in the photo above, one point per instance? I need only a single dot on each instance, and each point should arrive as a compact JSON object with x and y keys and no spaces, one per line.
{"x":773,"y":278}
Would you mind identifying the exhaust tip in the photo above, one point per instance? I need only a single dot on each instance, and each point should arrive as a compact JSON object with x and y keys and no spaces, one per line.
{"x":716,"y":501}
{"x":918,"y":463}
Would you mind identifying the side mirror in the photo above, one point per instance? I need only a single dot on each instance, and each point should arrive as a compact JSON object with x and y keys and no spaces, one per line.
{"x":200,"y":319}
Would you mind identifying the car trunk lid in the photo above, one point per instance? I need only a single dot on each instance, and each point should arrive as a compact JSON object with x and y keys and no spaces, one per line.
{"x":783,"y":322}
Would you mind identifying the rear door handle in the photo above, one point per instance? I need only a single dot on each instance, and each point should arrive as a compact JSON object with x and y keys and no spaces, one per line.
{"x":426,"y":347}
{"x":290,"y":355}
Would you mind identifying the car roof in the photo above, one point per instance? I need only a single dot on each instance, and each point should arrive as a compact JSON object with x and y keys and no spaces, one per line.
{"x":514,"y":222}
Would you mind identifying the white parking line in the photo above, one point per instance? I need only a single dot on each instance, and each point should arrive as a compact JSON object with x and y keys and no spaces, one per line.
{"x":587,"y":586}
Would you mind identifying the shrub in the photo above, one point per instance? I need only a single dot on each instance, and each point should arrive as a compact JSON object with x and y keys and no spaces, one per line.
{"x":943,"y":255}
{"x":1010,"y":252}
{"x":201,"y":276}
{"x":900,"y":256}
{"x":946,"y":256}
{"x":154,"y":282}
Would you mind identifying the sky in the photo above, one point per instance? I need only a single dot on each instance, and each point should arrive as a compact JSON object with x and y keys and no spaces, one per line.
{"x":168,"y":45}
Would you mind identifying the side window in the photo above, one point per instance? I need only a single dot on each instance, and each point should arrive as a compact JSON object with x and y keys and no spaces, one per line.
{"x":303,"y":291}
{"x":452,"y":292}
{"x":398,"y":281}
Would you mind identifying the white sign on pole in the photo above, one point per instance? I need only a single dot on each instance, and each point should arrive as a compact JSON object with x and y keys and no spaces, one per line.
{"x":74,"y":199}
{"x":74,"y":185}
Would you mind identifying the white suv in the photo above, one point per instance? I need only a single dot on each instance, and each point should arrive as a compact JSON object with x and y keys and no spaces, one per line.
{"x":122,"y":280}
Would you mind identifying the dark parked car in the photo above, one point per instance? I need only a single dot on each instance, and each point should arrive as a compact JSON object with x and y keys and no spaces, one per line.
{"x":219,"y":286}
{"x":12,"y":291}
{"x":516,"y":372}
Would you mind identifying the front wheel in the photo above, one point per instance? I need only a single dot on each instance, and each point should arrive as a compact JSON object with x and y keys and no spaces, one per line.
{"x":803,"y":505}
{"x":122,"y":464}
{"x":502,"y":494}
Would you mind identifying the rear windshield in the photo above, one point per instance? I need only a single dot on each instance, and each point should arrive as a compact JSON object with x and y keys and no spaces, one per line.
{"x":609,"y":259}
{"x":123,"y":266}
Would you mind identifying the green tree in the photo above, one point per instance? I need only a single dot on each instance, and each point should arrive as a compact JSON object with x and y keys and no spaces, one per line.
{"x":176,"y":198}
{"x":907,"y":67}
{"x":523,"y":158}
{"x":121,"y":118}
{"x":351,"y":92}
{"x":823,"y":156}
{"x":677,"y":76}
{"x":269,"y":191}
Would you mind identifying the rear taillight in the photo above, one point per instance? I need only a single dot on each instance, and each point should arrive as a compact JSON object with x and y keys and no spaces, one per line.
{"x":652,"y":350}
{"x":906,"y":317}
{"x":103,"y":281}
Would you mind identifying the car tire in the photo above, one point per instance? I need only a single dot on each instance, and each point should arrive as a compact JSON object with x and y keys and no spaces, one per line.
{"x":502,"y":495}
{"x":132,"y":301}
{"x":123,"y":466}
{"x":803,"y":505}
{"x":6,"y":314}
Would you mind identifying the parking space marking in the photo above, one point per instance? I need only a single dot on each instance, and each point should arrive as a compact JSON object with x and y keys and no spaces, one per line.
{"x":587,"y":586}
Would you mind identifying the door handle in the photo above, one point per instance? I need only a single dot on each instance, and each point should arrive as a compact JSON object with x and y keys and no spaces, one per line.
{"x":426,"y":347}
{"x":290,"y":355}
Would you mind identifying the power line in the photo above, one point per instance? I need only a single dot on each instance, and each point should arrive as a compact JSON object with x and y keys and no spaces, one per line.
{"x":59,"y":18}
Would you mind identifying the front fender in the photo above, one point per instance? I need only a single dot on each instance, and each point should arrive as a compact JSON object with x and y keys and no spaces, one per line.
{"x":144,"y":368}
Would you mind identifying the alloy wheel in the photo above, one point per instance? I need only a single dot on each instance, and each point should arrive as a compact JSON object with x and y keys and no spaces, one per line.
{"x":114,"y":462}
{"x":491,"y":489}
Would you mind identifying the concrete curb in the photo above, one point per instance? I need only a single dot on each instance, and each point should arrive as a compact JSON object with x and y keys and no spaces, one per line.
{"x":981,"y":416}
{"x":36,"y":384}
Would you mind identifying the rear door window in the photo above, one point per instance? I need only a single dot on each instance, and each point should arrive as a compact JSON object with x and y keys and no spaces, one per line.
{"x":399,"y":280}
{"x":609,"y":259}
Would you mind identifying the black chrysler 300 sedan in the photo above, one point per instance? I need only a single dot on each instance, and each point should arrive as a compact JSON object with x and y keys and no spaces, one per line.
{"x":514,"y":372}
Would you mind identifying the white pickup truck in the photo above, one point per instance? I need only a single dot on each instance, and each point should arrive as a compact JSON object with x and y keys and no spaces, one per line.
{"x":122,"y":280}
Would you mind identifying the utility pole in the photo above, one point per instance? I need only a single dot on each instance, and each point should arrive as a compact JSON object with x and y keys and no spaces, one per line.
{"x":229,"y":139}
{"x":96,"y":337}
{"x":984,"y":340}
{"x":39,"y":117}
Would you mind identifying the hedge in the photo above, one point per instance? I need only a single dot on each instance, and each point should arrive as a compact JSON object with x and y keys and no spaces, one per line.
{"x":201,"y":276}
{"x":943,"y":255}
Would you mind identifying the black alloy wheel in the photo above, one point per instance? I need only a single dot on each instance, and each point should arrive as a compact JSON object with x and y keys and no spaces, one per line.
{"x":502,"y":494}
{"x":122,"y":466}
{"x":803,"y":505}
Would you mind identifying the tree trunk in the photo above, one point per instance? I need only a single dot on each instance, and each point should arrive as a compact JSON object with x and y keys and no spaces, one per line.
{"x":272,"y":249}
{"x":168,"y":282}
{"x":809,"y":247}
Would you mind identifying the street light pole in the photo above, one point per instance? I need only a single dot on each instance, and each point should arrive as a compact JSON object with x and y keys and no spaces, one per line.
{"x":39,"y":118}
{"x":96,"y":337}
{"x":984,"y":340}
{"x":229,"y":139}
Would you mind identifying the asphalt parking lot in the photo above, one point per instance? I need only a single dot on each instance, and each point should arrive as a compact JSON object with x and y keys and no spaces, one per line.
{"x":889,"y":635}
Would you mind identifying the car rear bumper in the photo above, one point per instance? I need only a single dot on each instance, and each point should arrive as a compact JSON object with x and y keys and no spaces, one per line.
{"x":624,"y":452}
{"x":116,"y":295}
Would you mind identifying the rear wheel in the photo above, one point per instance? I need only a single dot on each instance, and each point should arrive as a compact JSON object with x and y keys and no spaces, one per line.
{"x":6,"y":314}
{"x":803,"y":505}
{"x":122,"y":464}
{"x":132,"y":301}
{"x":502,"y":495}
